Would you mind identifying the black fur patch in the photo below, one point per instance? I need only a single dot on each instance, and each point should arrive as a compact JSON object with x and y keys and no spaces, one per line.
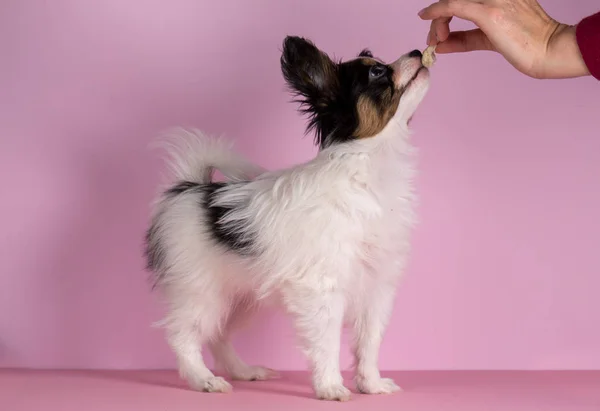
{"x":227,"y":235}
{"x":153,"y":252}
{"x":233,"y":237}
{"x":180,"y":188}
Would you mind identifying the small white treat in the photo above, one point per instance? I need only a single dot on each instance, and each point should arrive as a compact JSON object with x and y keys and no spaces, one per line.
{"x":428,"y":56}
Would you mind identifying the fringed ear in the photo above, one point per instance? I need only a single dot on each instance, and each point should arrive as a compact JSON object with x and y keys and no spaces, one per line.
{"x":365,"y":53}
{"x":309,"y":72}
{"x":313,"y":77}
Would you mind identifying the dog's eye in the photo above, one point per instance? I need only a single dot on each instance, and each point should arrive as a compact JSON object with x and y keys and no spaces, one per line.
{"x":377,"y":71}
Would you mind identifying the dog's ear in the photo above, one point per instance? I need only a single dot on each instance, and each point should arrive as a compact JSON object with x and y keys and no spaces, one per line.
{"x":308,"y":71}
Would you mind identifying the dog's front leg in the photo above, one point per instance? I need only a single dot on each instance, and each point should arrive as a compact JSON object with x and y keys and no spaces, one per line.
{"x":370,"y":324}
{"x":318,"y":318}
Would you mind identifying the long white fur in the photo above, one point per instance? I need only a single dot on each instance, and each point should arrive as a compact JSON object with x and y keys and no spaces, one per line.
{"x":332,"y":240}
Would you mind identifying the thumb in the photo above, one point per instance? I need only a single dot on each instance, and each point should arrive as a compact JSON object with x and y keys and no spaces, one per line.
{"x":464,"y":41}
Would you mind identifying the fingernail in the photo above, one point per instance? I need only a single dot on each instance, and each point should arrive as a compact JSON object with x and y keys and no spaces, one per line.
{"x":421,"y":12}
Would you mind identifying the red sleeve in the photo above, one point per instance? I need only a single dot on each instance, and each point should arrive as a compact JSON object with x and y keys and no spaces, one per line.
{"x":588,"y":39}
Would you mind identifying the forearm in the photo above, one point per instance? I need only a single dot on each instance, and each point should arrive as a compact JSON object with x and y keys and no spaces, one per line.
{"x":588,"y":42}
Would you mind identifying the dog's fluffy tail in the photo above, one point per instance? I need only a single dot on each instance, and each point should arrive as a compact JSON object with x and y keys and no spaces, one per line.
{"x":193,"y":156}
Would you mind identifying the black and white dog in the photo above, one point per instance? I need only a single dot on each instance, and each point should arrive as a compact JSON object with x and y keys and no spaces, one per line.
{"x":327,"y":239}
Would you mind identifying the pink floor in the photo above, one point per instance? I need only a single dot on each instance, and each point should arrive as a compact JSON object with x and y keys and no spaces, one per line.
{"x":431,"y":391}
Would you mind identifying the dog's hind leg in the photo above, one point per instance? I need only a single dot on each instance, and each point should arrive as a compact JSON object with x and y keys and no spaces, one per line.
{"x":193,"y":321}
{"x":225,"y":355}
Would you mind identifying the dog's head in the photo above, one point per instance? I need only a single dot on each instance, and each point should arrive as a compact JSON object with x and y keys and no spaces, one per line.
{"x":355,"y":99}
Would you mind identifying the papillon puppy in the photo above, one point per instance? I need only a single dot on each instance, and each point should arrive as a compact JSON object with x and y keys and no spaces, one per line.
{"x":327,"y":240}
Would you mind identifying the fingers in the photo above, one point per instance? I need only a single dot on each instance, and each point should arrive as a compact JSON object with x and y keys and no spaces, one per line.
{"x":464,"y":9}
{"x":465,"y":41}
{"x":439,"y":30}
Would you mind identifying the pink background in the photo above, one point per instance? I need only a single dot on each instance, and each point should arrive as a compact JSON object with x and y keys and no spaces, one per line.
{"x":505,"y":271}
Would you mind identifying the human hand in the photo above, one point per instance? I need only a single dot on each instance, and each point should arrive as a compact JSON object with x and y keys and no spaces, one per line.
{"x":520,"y":30}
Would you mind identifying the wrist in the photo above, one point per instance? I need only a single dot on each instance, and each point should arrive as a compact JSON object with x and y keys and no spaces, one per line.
{"x":563,"y":58}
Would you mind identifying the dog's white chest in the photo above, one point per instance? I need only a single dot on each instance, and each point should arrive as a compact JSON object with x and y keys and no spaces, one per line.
{"x":391,"y":184}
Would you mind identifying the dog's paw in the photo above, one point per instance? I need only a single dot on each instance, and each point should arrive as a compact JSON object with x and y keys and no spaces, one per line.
{"x":376,"y":385}
{"x":212,"y":384}
{"x":333,"y":393}
{"x":254,"y":373}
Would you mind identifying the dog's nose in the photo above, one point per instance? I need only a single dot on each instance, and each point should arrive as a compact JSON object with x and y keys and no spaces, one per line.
{"x":415,"y":53}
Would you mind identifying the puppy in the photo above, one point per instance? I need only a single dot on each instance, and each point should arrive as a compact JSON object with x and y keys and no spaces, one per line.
{"x":327,"y":239}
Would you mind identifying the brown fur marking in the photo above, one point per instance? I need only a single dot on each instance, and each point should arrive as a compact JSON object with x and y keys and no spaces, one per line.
{"x":374,"y":117}
{"x":368,"y":61}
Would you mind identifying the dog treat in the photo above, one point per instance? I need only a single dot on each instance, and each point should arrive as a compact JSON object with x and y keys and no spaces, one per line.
{"x":428,"y":56}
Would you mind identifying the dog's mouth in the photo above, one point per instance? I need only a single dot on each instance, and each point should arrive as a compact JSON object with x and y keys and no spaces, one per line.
{"x":414,"y":77}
